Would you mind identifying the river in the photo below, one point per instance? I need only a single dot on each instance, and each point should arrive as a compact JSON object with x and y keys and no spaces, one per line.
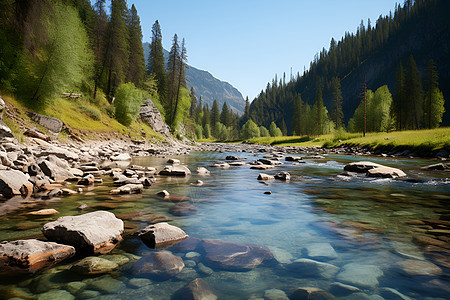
{"x":325,"y":231}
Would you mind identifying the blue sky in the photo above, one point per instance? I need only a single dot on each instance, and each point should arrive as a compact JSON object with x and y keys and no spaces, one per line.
{"x":246,"y":42}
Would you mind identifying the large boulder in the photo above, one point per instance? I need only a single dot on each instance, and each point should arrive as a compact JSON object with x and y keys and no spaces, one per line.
{"x":158,"y":266}
{"x":59,"y":152}
{"x":5,"y":131}
{"x":29,"y":256}
{"x":52,"y":124}
{"x":11,"y":181}
{"x":234,"y":257}
{"x":54,"y":171}
{"x":198,"y":289}
{"x":374,"y":170}
{"x":95,"y":232}
{"x":161,"y":235}
{"x":361,"y":166}
{"x":175,"y":170}
{"x":150,"y":114}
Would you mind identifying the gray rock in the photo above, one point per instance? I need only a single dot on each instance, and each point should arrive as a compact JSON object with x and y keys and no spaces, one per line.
{"x":321,"y":251}
{"x":11,"y":181}
{"x":59,"y":152}
{"x":75,"y":287}
{"x":93,"y":266}
{"x":161,"y":235}
{"x":173,"y":161}
{"x":183,"y":209}
{"x":198,"y":289}
{"x":386,"y":172}
{"x":107,"y":285}
{"x":121,"y":157}
{"x":361,"y":166}
{"x":436,"y":167}
{"x":95,"y":232}
{"x":150,"y":114}
{"x":203,"y":171}
{"x":29,"y":256}
{"x":53,"y":124}
{"x":177,"y":170}
{"x":272,"y":162}
{"x":365,"y":276}
{"x":263,"y":176}
{"x":309,"y":267}
{"x":204,"y":269}
{"x":129,"y":189}
{"x":284,"y":176}
{"x":413,"y":267}
{"x":158,"y":265}
{"x":54,"y":171}
{"x":87,"y":180}
{"x":5,"y":131}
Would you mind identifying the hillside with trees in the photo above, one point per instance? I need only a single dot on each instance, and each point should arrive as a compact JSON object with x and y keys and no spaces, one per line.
{"x":325,"y":96}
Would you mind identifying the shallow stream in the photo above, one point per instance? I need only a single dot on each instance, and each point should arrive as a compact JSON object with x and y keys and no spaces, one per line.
{"x":360,"y":225}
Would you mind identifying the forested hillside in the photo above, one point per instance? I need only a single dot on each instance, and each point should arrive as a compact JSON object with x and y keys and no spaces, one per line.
{"x":419,"y":29}
{"x":208,"y":87}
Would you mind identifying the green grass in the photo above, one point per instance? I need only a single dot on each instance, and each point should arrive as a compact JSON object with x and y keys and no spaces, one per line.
{"x":431,"y":139}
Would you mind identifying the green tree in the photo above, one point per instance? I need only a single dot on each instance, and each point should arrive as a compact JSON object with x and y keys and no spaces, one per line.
{"x":117,"y":46}
{"x":127,"y":103}
{"x":225,"y":117}
{"x":136,"y":60}
{"x":156,"y":63}
{"x":250,"y":130}
{"x":215,"y":115}
{"x":207,"y":131}
{"x":263,"y":131}
{"x":182,"y":58}
{"x":99,"y":26}
{"x":337,"y":114}
{"x":399,"y":109}
{"x":173,"y":72}
{"x":414,"y":95}
{"x":283,"y":128}
{"x":297,"y":116}
{"x":274,"y":130}
{"x":198,"y":132}
{"x":434,"y":99}
{"x":193,"y":108}
{"x":63,"y":63}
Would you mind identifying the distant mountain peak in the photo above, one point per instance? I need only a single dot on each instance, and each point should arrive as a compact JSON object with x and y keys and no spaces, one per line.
{"x":208,"y":87}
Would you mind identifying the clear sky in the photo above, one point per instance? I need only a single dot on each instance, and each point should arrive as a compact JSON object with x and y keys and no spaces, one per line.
{"x":247,"y":42}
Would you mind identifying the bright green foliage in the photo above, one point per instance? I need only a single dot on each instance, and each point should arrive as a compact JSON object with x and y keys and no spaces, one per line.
{"x":127,"y":103}
{"x":250,"y":130}
{"x":336,"y":113}
{"x":136,"y":60}
{"x":319,"y":121}
{"x":183,"y":105}
{"x":414,"y":95}
{"x":198,"y":132}
{"x":221,"y":131}
{"x":378,"y":112}
{"x":434,"y":99}
{"x":274,"y":130}
{"x":263,"y":131}
{"x":61,"y":65}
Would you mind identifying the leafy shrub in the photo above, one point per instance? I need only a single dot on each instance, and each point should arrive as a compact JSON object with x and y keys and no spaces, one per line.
{"x":127,"y":103}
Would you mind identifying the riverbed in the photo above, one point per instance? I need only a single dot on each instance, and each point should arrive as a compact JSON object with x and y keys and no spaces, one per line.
{"x":350,"y":237}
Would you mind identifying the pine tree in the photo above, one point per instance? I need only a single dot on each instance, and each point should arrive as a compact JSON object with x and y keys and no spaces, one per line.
{"x":247,"y":107}
{"x":399,"y":109}
{"x":156,"y":63}
{"x":100,"y":24}
{"x":172,"y":66}
{"x":434,"y":99}
{"x":283,"y":128}
{"x":225,"y":115}
{"x":414,"y":95}
{"x":297,"y":116}
{"x":193,"y":107}
{"x":336,"y":114}
{"x":136,"y":60}
{"x":317,"y":113}
{"x":117,"y":43}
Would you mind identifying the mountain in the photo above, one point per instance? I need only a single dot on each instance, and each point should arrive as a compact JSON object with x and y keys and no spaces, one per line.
{"x":420,"y":28}
{"x":208,"y":87}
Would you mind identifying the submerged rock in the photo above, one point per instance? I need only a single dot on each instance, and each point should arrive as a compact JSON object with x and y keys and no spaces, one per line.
{"x":198,"y":289}
{"x":309,"y":267}
{"x":161,"y":235}
{"x":95,"y":232}
{"x":93,"y":266}
{"x":413,"y":267}
{"x":29,"y":256}
{"x":183,"y":209}
{"x":234,"y":257}
{"x":158,"y":265}
{"x":365,"y":276}
{"x":306,"y":293}
{"x":321,"y":251}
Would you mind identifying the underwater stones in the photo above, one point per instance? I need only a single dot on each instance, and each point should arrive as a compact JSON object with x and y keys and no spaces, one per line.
{"x":275,"y":294}
{"x":309,"y":267}
{"x":95,"y":232}
{"x":321,"y":251}
{"x":175,"y":170}
{"x":365,"y":276}
{"x":93,"y":266}
{"x":44,"y":212}
{"x":183,"y":209}
{"x":158,"y":266}
{"x":28,"y":256}
{"x":310,"y":293}
{"x":11,"y":181}
{"x":412,"y":267}
{"x":234,"y":257}
{"x":198,"y":289}
{"x":128,"y":189}
{"x":390,"y":293}
{"x":106,"y":284}
{"x":161,"y":235}
{"x":340,"y":289}
{"x":56,"y":294}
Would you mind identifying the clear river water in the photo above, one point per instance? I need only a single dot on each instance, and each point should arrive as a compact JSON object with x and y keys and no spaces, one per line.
{"x":356,"y":230}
